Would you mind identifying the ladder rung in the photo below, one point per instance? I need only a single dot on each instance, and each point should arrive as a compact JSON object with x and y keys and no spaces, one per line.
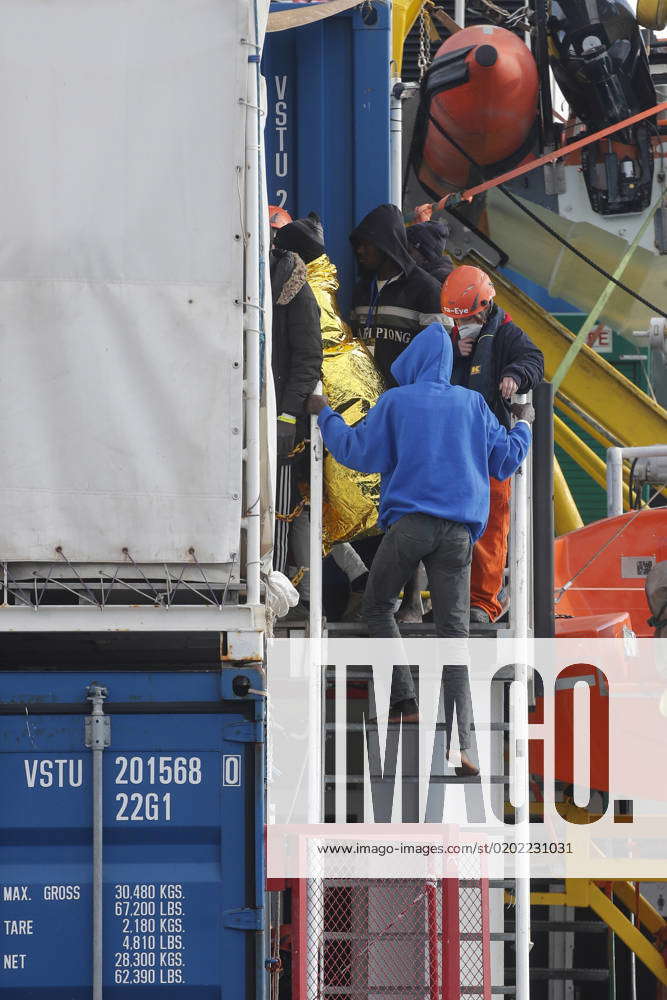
{"x":357,"y":727}
{"x":576,"y":926}
{"x":576,"y":975}
{"x":435,"y":779}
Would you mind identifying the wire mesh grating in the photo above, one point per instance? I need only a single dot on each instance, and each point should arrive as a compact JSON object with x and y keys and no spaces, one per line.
{"x":399,"y":939}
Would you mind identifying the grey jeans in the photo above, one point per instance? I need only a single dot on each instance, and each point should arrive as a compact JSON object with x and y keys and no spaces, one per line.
{"x":445,"y":548}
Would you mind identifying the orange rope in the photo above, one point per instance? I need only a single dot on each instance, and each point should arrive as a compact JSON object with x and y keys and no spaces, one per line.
{"x":557,"y":154}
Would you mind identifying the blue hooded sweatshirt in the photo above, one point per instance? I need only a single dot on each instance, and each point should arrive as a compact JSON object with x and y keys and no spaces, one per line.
{"x":435,"y":444}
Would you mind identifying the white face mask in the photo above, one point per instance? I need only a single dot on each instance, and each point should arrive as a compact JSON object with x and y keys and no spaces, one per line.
{"x":468,"y":330}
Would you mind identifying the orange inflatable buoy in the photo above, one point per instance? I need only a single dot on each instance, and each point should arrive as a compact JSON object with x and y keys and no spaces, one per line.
{"x":481,"y":92}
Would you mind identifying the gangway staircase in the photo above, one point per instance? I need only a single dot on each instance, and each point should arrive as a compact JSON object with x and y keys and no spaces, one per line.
{"x":635,"y":921}
{"x":601,"y":395}
{"x":594,"y":395}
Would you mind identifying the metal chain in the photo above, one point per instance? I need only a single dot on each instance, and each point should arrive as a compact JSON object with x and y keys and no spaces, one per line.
{"x":424,"y":56}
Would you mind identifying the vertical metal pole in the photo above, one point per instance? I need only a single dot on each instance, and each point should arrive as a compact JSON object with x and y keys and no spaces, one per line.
{"x":520,"y":620}
{"x":315,"y":889}
{"x":460,"y":13}
{"x":433,"y":956}
{"x":633,"y":967}
{"x":451,"y":940}
{"x":614,"y":481}
{"x":316,"y":498}
{"x":396,"y":142}
{"x":541,"y":53}
{"x":543,"y":511}
{"x":485,"y":921}
{"x":519,"y":568}
{"x":497,"y":796}
{"x":97,"y":737}
{"x":611,"y":954}
{"x":253,"y":305}
{"x":299,"y":903}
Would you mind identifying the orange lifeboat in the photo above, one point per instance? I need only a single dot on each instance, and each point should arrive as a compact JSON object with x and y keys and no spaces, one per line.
{"x":481,"y":92}
{"x":601,"y":569}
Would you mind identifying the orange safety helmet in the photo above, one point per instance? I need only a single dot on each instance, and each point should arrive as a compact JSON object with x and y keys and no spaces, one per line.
{"x":466,"y":292}
{"x":278,"y":217}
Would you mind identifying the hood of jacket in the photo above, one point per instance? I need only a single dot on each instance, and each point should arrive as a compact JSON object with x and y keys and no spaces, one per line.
{"x":428,"y":358}
{"x":288,"y":276}
{"x":385,"y":229}
{"x":303,"y":236}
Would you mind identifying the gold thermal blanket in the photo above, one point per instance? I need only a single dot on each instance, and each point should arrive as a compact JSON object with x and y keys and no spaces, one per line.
{"x":353,"y":385}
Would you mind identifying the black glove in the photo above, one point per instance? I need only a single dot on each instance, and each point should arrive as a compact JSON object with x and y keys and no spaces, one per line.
{"x":523,"y":411}
{"x":316,"y":403}
{"x":286,"y":434}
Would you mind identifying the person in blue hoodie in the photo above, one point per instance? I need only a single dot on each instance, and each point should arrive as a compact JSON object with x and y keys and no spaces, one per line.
{"x":435,"y":446}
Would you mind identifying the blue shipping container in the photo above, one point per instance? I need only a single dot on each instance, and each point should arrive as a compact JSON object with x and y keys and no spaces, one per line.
{"x":327,"y":129}
{"x":180,"y":887}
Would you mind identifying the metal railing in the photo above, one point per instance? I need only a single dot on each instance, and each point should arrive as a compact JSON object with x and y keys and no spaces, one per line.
{"x":615,"y":457}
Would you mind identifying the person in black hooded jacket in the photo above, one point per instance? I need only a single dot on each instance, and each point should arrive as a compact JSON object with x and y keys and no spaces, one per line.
{"x":296,"y":360}
{"x":394,"y":298}
{"x":426,"y":243}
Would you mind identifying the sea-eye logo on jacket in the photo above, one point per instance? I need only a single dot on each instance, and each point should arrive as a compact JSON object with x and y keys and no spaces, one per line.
{"x":475,"y":370}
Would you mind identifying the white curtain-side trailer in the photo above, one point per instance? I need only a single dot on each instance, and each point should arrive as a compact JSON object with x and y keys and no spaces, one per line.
{"x":136,"y":463}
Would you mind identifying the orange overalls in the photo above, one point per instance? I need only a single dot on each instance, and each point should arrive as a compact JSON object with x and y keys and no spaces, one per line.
{"x":490,"y":552}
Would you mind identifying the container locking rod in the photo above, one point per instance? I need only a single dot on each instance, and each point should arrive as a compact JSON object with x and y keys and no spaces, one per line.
{"x":97,"y":737}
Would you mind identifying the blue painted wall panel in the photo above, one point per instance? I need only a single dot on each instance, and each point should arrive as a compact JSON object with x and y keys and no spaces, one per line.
{"x":183,"y":837}
{"x":327,"y":131}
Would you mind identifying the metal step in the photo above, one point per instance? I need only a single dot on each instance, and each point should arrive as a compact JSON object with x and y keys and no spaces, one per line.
{"x":545,"y":975}
{"x":536,"y":884}
{"x":349,"y":629}
{"x":574,"y":975}
{"x":434,"y":779}
{"x":440,"y":727}
{"x":576,"y":926}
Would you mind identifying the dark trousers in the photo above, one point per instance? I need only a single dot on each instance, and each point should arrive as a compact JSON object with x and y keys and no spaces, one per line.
{"x":284,"y":506}
{"x":445,"y":548}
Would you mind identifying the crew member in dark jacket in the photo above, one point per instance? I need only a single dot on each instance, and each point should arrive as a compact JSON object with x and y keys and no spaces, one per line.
{"x":296,"y":360}
{"x":394,"y":298}
{"x":496,"y":358}
{"x":426,"y":244}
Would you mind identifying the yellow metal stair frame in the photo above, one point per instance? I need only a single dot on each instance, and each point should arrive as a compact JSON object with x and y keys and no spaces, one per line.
{"x":587,"y":893}
{"x":595,"y":386}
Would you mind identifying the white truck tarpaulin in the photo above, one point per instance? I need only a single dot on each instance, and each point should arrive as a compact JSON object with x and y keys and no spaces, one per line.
{"x":121,"y":267}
